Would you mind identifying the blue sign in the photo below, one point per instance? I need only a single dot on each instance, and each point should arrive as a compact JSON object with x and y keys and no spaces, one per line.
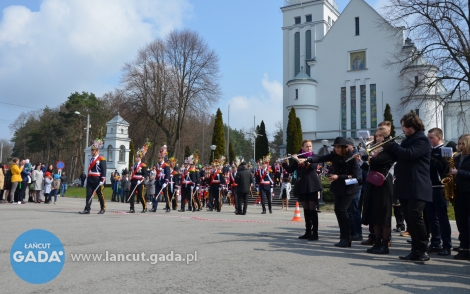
{"x":60,"y":165}
{"x":37,"y":256}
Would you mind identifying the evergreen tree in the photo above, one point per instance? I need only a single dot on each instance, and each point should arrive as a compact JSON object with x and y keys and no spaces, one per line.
{"x":218,"y":137}
{"x":291,"y":132}
{"x":262,"y":144}
{"x":131,"y":155}
{"x":388,"y":116}
{"x":299,"y":137}
{"x":231,"y":153}
{"x":187,"y":151}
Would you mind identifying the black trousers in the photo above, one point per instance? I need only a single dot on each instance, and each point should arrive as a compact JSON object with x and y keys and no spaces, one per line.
{"x":342,"y":203}
{"x":265,"y":190}
{"x":413,"y":212}
{"x":91,"y":185}
{"x":186,"y":195}
{"x":242,"y":200}
{"x":214,"y":195}
{"x":235,"y":198}
{"x":139,"y":192}
{"x":462,"y":218}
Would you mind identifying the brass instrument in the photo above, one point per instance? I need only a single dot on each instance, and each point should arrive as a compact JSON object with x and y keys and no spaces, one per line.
{"x":375,"y":146}
{"x":449,"y":181}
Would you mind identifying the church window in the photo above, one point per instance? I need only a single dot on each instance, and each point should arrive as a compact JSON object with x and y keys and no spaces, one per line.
{"x":297,"y":20}
{"x":329,"y":21}
{"x":308,"y":18}
{"x":296,"y":94}
{"x":110,"y":153}
{"x":112,"y":130}
{"x":373,"y":106}
{"x":308,"y":49}
{"x":416,"y":81}
{"x":363,"y":107}
{"x":353,"y":111}
{"x":122,"y":131}
{"x":122,"y":153}
{"x":417,"y":111}
{"x":343,"y":110}
{"x":357,"y":26}
{"x":297,"y":53}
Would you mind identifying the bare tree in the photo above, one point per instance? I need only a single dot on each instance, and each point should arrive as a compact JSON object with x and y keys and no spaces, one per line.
{"x":171,"y":77}
{"x":437,"y":69}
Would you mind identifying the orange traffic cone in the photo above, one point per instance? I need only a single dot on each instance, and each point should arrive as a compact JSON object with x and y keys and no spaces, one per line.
{"x":297,"y":217}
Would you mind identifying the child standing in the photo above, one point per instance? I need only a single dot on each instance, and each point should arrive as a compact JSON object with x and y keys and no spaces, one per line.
{"x":285,"y":192}
{"x":55,"y":187}
{"x":47,"y":187}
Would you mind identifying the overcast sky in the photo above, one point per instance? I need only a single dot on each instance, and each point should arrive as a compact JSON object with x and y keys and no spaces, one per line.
{"x":52,"y":48}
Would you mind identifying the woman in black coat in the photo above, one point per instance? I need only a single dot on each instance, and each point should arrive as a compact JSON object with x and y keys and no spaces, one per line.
{"x":308,"y":185}
{"x":413,"y":186}
{"x":461,"y":173}
{"x":343,"y":177}
{"x":377,"y":204}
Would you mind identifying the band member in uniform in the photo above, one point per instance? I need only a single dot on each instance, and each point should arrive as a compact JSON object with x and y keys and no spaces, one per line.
{"x":233,"y":188}
{"x":96,"y":178}
{"x":162,"y":179}
{"x":217,"y":179}
{"x":244,"y":180}
{"x":196,"y":179}
{"x":277,"y":170}
{"x":264,"y":180}
{"x":139,"y":172}
{"x":186,"y":185}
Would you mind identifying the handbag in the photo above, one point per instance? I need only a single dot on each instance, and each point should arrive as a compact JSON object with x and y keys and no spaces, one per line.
{"x":375,"y":178}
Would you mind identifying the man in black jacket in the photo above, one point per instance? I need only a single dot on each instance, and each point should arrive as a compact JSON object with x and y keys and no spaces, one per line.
{"x":436,"y":211}
{"x":413,"y":182}
{"x":244,"y":181}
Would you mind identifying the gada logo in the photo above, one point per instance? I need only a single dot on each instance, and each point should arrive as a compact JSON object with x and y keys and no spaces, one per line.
{"x":37,"y":256}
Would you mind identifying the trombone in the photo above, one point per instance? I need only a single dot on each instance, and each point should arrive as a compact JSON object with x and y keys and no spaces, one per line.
{"x":375,"y":146}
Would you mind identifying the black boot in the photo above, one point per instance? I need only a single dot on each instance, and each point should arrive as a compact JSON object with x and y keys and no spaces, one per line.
{"x":314,"y":225}
{"x":377,"y":245}
{"x":383,"y":249}
{"x":343,"y":243}
{"x":308,"y":225}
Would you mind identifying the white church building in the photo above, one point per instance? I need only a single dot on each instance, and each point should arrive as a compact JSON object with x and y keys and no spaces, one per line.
{"x":115,"y":148}
{"x":334,"y":70}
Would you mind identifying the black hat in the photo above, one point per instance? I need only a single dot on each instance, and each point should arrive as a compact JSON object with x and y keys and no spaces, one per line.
{"x":350,"y":141}
{"x":340,"y":141}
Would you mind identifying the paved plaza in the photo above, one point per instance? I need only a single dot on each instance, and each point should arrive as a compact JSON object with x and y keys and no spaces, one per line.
{"x":220,"y":253}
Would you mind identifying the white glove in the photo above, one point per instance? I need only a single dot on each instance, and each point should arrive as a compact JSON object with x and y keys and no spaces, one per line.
{"x":138,"y":182}
{"x":164,"y":185}
{"x":257,"y":189}
{"x":101,"y":183}
{"x":272,"y":190}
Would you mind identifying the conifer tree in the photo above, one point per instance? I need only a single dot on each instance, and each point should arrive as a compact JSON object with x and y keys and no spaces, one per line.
{"x":218,"y":137}
{"x":299,"y":137}
{"x":262,"y":144}
{"x":291,"y":132}
{"x":187,"y":151}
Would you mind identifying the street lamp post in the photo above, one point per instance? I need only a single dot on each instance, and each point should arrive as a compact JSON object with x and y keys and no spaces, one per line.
{"x":213,"y":152}
{"x":87,"y":127}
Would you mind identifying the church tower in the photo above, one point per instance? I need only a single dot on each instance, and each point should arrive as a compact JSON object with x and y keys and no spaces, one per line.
{"x":304,"y":23}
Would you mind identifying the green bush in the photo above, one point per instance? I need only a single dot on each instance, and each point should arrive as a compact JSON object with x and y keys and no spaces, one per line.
{"x":328,"y":196}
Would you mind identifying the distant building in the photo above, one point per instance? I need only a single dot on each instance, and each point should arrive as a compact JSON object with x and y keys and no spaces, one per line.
{"x":335,"y":75}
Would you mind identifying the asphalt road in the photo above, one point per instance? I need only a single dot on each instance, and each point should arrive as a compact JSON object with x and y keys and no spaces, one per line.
{"x":230,"y":254}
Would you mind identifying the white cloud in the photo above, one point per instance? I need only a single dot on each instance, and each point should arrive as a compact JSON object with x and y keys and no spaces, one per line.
{"x":266,"y":106}
{"x":76,"y":45}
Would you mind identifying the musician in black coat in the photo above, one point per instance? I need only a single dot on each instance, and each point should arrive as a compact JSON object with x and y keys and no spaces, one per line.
{"x":413,"y":184}
{"x":344,"y":185}
{"x":461,"y":173}
{"x":308,"y":186}
{"x":377,"y":204}
{"x":244,"y":181}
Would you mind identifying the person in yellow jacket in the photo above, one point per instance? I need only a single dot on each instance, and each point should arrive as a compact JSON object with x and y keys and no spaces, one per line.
{"x":15,"y":177}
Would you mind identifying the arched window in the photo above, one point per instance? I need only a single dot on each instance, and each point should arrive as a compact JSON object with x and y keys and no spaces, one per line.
{"x":122,"y":153}
{"x":308,"y":49}
{"x":110,"y":153}
{"x":122,"y":131}
{"x":297,"y":53}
